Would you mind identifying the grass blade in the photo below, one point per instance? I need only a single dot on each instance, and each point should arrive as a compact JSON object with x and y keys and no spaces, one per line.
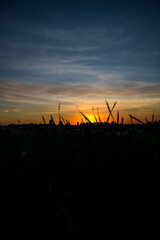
{"x":94,"y":114}
{"x":110,"y":111}
{"x":43,"y":119}
{"x":132,"y":117}
{"x":146,"y":120}
{"x":98,"y":115}
{"x":51,"y":121}
{"x":118,"y":117}
{"x":86,"y":118}
{"x":59,"y":106}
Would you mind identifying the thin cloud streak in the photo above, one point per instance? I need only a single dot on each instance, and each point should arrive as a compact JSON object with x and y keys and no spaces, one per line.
{"x":90,"y":52}
{"x":22,"y":89}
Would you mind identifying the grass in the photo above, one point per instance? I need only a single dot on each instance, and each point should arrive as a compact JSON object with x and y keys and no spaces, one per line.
{"x":86,"y":181}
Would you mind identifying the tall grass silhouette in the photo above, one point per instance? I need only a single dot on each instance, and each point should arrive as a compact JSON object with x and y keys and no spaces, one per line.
{"x":92,"y":180}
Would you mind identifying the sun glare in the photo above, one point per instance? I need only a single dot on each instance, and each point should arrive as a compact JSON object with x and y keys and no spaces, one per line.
{"x":91,"y":118}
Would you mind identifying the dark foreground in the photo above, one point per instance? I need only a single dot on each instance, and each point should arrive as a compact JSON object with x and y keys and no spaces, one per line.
{"x":80,"y":182}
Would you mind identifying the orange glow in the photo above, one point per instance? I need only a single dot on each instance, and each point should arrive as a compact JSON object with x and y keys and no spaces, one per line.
{"x":29,"y":114}
{"x":91,"y":118}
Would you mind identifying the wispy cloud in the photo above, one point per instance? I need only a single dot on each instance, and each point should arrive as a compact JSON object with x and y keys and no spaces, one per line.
{"x":15,"y":90}
{"x":76,"y":55}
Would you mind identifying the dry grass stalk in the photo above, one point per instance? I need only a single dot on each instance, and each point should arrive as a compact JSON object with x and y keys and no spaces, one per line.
{"x":98,"y":115}
{"x":63,"y":120}
{"x":110,"y":111}
{"x":94,"y":114}
{"x":80,"y":115}
{"x":86,"y":118}
{"x":43,"y":119}
{"x":59,"y":106}
{"x":118,"y":117}
{"x":146,"y":120}
{"x":18,"y":120}
{"x":51,"y":121}
{"x":132,"y":117}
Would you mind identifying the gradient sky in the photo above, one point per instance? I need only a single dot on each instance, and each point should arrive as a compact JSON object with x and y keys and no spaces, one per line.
{"x":78,"y":53}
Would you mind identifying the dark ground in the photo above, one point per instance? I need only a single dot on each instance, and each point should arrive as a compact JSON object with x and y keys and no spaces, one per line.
{"x":80,"y":182}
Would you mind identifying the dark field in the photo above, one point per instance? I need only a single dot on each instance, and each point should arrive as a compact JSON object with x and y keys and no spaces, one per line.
{"x":80,"y":182}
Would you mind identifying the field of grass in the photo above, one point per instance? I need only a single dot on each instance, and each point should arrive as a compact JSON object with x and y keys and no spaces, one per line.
{"x":81,"y":182}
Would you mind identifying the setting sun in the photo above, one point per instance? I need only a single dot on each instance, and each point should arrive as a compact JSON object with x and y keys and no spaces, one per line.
{"x":91,"y":118}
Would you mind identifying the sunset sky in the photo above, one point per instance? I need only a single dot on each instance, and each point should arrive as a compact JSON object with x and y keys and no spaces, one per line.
{"x":79,"y":53}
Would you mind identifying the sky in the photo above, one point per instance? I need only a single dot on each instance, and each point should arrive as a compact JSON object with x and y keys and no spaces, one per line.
{"x":79,"y":53}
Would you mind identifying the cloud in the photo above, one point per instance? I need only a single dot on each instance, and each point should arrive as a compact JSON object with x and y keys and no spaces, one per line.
{"x":40,"y":92}
{"x":54,"y":64}
{"x":84,"y":54}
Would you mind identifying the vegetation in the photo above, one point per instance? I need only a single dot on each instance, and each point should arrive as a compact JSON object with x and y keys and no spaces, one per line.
{"x":88,"y":181}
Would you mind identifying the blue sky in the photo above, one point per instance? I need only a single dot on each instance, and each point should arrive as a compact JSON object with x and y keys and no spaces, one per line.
{"x":78,"y":53}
